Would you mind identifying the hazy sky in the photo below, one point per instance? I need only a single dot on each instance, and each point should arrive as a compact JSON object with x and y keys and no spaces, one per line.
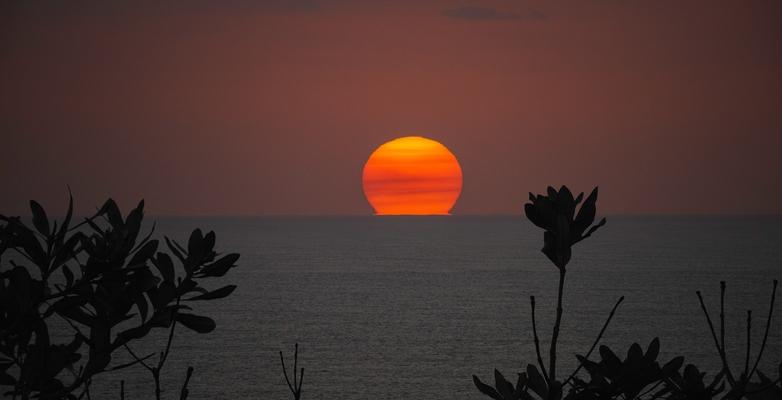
{"x":272,"y":107}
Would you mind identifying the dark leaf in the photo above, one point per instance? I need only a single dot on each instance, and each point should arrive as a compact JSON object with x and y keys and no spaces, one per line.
{"x":504,"y":387}
{"x":164,"y":264}
{"x":40,"y":220}
{"x":653,"y":350}
{"x":216,"y":294}
{"x":219,"y":267}
{"x":111,"y":211}
{"x":536,"y":382}
{"x":195,"y":245}
{"x":486,"y":389}
{"x":68,"y":276}
{"x":195,"y":322}
{"x":175,"y":248}
{"x":144,"y":253}
{"x":586,"y":214}
{"x":671,"y":367}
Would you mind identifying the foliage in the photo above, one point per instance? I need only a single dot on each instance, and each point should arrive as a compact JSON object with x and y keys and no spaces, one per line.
{"x":110,"y":285}
{"x":639,"y":375}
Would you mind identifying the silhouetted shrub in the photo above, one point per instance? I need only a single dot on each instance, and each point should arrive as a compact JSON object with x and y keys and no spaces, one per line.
{"x":108,"y":284}
{"x":639,"y":375}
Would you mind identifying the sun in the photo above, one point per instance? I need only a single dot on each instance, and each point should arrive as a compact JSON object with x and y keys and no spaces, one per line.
{"x":412,"y":175}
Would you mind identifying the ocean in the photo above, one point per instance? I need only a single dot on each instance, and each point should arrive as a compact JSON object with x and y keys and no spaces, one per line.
{"x":412,"y":307}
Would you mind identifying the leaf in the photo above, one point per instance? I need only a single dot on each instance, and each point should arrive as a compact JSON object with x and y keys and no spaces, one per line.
{"x":586,"y":214}
{"x":536,"y":381}
{"x":197,"y":323}
{"x":673,"y":366}
{"x":219,"y":267}
{"x":165,"y":265}
{"x":504,"y":387}
{"x":40,"y":220}
{"x":486,"y":389}
{"x":653,"y":350}
{"x":67,"y":221}
{"x":68,"y":276}
{"x":111,"y":211}
{"x":174,"y":247}
{"x":216,"y":294}
{"x":195,"y":247}
{"x":141,"y":303}
{"x":144,"y":253}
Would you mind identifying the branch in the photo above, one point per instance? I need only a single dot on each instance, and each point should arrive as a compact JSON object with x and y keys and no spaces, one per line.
{"x":184,"y":392}
{"x":555,"y":334}
{"x":746,"y":358}
{"x":141,"y":361}
{"x":597,"y":340}
{"x":716,"y":341}
{"x":537,"y":342}
{"x":296,"y":387}
{"x":768,"y":326}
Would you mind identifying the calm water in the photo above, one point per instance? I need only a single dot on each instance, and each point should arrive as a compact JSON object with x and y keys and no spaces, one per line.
{"x":411,"y":307}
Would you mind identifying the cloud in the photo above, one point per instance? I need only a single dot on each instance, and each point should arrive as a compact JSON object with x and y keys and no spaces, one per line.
{"x":474,"y":13}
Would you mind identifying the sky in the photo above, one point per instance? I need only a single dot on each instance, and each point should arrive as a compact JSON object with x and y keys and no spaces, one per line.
{"x":273,"y":107}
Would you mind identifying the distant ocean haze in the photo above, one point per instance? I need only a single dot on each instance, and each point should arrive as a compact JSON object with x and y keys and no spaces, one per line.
{"x":411,"y":307}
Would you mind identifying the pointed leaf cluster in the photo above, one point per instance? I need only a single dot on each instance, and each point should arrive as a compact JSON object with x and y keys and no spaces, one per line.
{"x":555,"y":212}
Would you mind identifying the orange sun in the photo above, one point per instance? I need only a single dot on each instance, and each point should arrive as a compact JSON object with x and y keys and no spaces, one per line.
{"x":412,"y":176}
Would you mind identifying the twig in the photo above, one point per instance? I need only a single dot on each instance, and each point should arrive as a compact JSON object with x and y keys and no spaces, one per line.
{"x":722,"y":316}
{"x":140,"y":360}
{"x":716,"y":341}
{"x":184,"y":392}
{"x":128,"y":364}
{"x":537,"y":342}
{"x":122,"y":390}
{"x":555,"y":334}
{"x":597,"y":340}
{"x":768,"y":326}
{"x":296,"y":387}
{"x":746,"y":358}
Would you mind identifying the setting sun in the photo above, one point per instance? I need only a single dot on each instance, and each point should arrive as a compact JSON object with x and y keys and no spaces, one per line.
{"x":412,"y":176}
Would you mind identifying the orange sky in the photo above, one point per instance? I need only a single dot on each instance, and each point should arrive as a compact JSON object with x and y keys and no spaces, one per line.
{"x":213,"y":108}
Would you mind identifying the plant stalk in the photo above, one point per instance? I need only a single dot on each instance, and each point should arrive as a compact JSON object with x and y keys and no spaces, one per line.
{"x":555,"y":334}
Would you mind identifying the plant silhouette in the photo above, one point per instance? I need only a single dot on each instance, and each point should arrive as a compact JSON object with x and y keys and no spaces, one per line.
{"x":639,"y":375}
{"x":109,"y":284}
{"x":294,"y":387}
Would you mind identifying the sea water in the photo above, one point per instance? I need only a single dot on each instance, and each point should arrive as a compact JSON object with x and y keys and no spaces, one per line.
{"x":412,"y":307}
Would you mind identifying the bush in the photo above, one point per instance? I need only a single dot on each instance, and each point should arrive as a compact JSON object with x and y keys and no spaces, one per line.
{"x":111,"y":286}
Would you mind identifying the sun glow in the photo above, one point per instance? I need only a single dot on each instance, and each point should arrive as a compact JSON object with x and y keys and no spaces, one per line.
{"x":412,"y":176}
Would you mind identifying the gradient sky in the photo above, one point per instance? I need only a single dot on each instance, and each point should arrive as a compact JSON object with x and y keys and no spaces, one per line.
{"x":241,"y":107}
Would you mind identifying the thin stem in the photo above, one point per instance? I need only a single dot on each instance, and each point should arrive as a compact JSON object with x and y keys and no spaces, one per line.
{"x":722,"y":316}
{"x":295,"y":363}
{"x":716,"y":341}
{"x":597,"y":340}
{"x":184,"y":392}
{"x":139,"y":360}
{"x":285,"y":373}
{"x":555,"y":334}
{"x":537,"y":341}
{"x":768,"y":326}
{"x":746,"y":358}
{"x":122,"y":390}
{"x":156,"y":376}
{"x":170,"y":335}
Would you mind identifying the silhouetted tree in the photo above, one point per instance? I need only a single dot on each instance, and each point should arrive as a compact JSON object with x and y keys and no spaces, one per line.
{"x":108,"y":284}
